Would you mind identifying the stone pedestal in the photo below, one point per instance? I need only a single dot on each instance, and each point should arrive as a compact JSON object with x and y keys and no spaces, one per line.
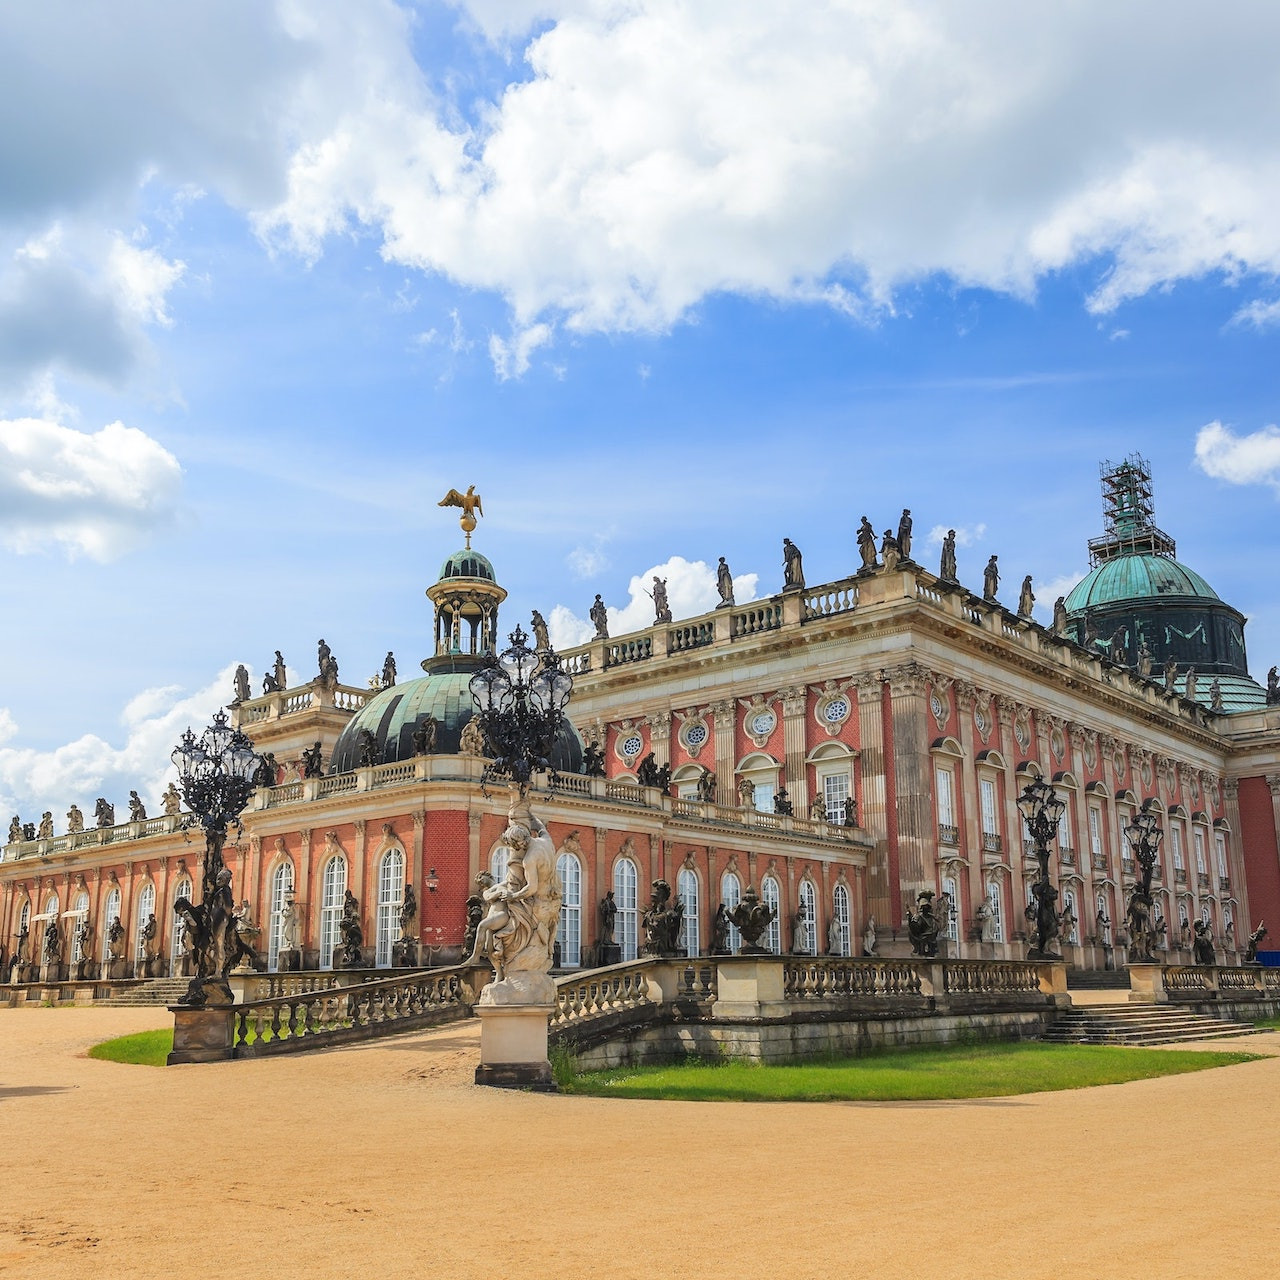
{"x":50,"y":971}
{"x":289,"y":961}
{"x":1146,"y":984}
{"x":202,"y":1035}
{"x":404,"y":953}
{"x":749,"y":988}
{"x":513,"y":1047}
{"x":610,"y":953}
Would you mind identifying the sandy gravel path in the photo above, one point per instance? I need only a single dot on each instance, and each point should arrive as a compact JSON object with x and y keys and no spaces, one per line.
{"x":386,"y":1160}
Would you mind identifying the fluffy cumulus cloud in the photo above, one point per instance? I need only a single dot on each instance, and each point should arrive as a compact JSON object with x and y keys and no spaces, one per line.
{"x":691,"y":590}
{"x":966,"y":536}
{"x":1249,"y":459}
{"x":32,"y":780}
{"x":90,"y":493}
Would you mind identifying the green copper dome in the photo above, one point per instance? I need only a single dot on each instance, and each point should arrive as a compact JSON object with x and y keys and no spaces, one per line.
{"x":467,"y":564}
{"x":1126,"y":578}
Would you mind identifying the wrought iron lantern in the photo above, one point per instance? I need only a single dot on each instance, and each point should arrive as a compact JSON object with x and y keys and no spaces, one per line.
{"x":1042,"y":809}
{"x":1144,"y":837}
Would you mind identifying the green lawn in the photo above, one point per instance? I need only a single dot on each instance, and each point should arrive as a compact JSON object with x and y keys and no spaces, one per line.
{"x":145,"y":1048}
{"x":970,"y":1071}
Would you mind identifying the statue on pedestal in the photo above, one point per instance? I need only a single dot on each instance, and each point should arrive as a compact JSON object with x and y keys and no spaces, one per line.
{"x":889,"y":551}
{"x":279,"y":673}
{"x":311,"y":765}
{"x":991,"y":581}
{"x":389,"y":670}
{"x":746,"y":793}
{"x":1189,"y":688}
{"x":867,"y":546}
{"x":782,"y":805}
{"x":800,"y":931}
{"x":593,"y":760}
{"x":647,"y":771}
{"x":1273,"y":687}
{"x":541,"y":639}
{"x":425,"y":736}
{"x":792,"y":567}
{"x":599,"y":615}
{"x":608,"y":915}
{"x":367,"y":746}
{"x":923,"y":926}
{"x":290,"y":926}
{"x":104,"y":813}
{"x":818,"y":809}
{"x":1202,"y":947}
{"x":835,"y":936}
{"x":720,"y":923}
{"x":707,"y":786}
{"x":471,"y":741}
{"x":984,"y":920}
{"x":751,"y":917}
{"x":869,"y":937}
{"x":246,"y":935}
{"x":351,"y":953}
{"x":1251,"y":949}
{"x":75,"y":819}
{"x":115,"y":938}
{"x":1144,"y":660}
{"x":137,"y":810}
{"x":661,"y":607}
{"x":947,"y":567}
{"x":15,"y":829}
{"x":663,"y":920}
{"x":724,"y":584}
{"x":52,"y":942}
{"x":1026,"y":598}
{"x":264,"y":775}
{"x":1060,"y":616}
{"x":45,"y":830}
{"x":408,"y":915}
{"x":242,"y":683}
{"x":904,"y":534}
{"x":1215,"y":696}
{"x":172,"y":800}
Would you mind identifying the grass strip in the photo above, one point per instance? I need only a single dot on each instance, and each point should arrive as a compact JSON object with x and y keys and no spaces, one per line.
{"x":929,"y":1074}
{"x":143,"y":1048}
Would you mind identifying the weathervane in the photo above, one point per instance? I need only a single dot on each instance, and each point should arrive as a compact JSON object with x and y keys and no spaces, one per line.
{"x":470,"y":504}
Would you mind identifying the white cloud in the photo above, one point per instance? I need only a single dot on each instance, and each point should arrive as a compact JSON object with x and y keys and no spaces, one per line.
{"x":511,"y":357}
{"x":8,"y":726}
{"x":965,"y":536}
{"x":565,"y":629}
{"x":1251,"y":459}
{"x":96,"y":494}
{"x":1049,"y":589}
{"x":588,"y":561}
{"x":1259,"y":314}
{"x":32,"y":781}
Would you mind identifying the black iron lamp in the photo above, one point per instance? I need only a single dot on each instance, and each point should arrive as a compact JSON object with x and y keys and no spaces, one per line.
{"x":1042,"y":809}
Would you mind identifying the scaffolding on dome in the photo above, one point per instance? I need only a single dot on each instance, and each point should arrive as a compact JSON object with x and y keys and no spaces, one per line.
{"x":1128,"y":513}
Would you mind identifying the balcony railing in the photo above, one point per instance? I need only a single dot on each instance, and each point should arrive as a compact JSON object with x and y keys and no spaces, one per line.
{"x":1224,"y":884}
{"x":1180,"y":875}
{"x":948,"y":834}
{"x":991,"y":842}
{"x":1099,"y":861}
{"x":1067,"y":855}
{"x":1202,"y":879}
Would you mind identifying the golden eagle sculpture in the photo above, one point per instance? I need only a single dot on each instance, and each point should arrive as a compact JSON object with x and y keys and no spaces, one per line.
{"x":470,"y":504}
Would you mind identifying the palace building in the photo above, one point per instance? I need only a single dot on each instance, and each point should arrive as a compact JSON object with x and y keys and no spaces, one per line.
{"x":843,"y":748}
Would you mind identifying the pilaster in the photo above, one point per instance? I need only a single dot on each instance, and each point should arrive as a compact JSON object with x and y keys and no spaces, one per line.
{"x":794,"y":700}
{"x":722,"y":714}
{"x":913,"y":780}
{"x":872,"y":812}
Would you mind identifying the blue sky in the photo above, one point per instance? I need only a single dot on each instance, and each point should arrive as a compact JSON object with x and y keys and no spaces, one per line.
{"x":665,"y":282}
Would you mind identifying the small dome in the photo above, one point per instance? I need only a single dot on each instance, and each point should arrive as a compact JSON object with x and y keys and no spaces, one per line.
{"x":393,"y":715}
{"x":1136,"y":577}
{"x":467,"y":564}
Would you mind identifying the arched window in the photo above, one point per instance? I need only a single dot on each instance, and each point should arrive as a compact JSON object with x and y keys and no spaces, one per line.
{"x":109,"y":917}
{"x":687,"y":888}
{"x":770,"y":895}
{"x":333,"y":892}
{"x":281,"y":892}
{"x":951,"y":891}
{"x":51,"y":908}
{"x":390,"y":900}
{"x":996,"y":899}
{"x":570,"y":871}
{"x":625,"y":882}
{"x":808,"y":912}
{"x":1069,"y":904}
{"x":731,"y":895}
{"x":81,"y":909}
{"x":24,"y":919}
{"x":840,"y":908}
{"x":182,"y":890}
{"x":498,"y":860}
{"x":146,"y":909}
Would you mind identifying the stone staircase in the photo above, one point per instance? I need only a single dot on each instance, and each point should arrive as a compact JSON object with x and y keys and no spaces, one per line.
{"x":1139,"y":1024}
{"x":161,"y":991}
{"x":1097,"y":979}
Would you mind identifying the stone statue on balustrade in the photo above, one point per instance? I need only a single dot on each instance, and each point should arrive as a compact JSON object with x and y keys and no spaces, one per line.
{"x":647,"y":771}
{"x":1144,"y":660}
{"x":720,"y":923}
{"x":904,"y":533}
{"x":279,"y":674}
{"x":472,"y":740}
{"x":1251,"y":947}
{"x":593,"y":760}
{"x":45,"y":829}
{"x":172,"y":801}
{"x":707,"y":786}
{"x":1026,"y":598}
{"x":15,"y":829}
{"x":1190,"y":686}
{"x":75,"y":819}
{"x":867,"y":546}
{"x":947,"y":566}
{"x":264,"y":775}
{"x":1273,"y":687}
{"x":889,"y":551}
{"x":1060,"y":616}
{"x":1202,"y":946}
{"x":518,"y":933}
{"x":792,"y":567}
{"x":28,"y":830}
{"x":311,"y":763}
{"x":800,"y":931}
{"x":104,"y":813}
{"x":1215,"y":696}
{"x":991,"y":580}
{"x":409,"y":915}
{"x":782,"y":803}
{"x":746,"y":793}
{"x":241,"y":684}
{"x":724,"y":584}
{"x":541,"y":637}
{"x":752,"y":917}
{"x":351,"y":952}
{"x":923,"y":925}
{"x":52,"y":950}
{"x":1067,"y":925}
{"x":425,"y":736}
{"x":367,"y":749}
{"x":984,"y":920}
{"x":290,"y":927}
{"x":663,"y":921}
{"x":818,"y":809}
{"x":323,"y":654}
{"x":835,"y":936}
{"x":137,"y":810}
{"x":599,"y":615}
{"x":869,"y":937}
{"x":661,"y":605}
{"x":850,"y":811}
{"x":247,"y":934}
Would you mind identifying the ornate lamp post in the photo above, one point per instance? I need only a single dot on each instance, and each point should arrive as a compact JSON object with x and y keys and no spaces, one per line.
{"x":1144,"y":836}
{"x":1041,"y":808}
{"x":215,"y":776}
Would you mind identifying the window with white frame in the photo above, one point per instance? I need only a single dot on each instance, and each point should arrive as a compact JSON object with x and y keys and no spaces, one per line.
{"x":996,"y":899}
{"x":686,"y":782}
{"x":808,"y":911}
{"x":109,"y":917}
{"x":990,"y":821}
{"x":771,"y":896}
{"x":952,"y":891}
{"x":731,"y":895}
{"x":570,"y":872}
{"x":1206,"y":914}
{"x":390,"y":900}
{"x":1069,"y":904}
{"x":81,"y":909}
{"x":498,"y":860}
{"x":281,"y":893}
{"x":843,"y":918}
{"x":51,"y":908}
{"x":182,"y":890}
{"x":1064,"y":823}
{"x":1220,"y":853}
{"x":1095,"y":831}
{"x":687,"y":888}
{"x":625,"y":882}
{"x":333,"y":891}
{"x":945,"y":786}
{"x":835,"y":793}
{"x":1175,"y":844}
{"x":1198,"y":837}
{"x":1228,"y":919}
{"x":762,"y":772}
{"x":146,"y":909}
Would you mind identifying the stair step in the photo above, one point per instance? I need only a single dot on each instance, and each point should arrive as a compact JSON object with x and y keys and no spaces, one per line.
{"x":1121,"y":1024}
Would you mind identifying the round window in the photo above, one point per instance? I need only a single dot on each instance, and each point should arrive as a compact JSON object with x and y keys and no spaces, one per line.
{"x":695,"y":735}
{"x":762,"y":723}
{"x":631,"y":745}
{"x":835,"y":710}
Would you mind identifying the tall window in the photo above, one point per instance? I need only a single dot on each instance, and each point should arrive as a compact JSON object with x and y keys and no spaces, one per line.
{"x":766,"y":789}
{"x":281,"y":891}
{"x":1095,"y":831}
{"x":1064,"y":826}
{"x":1206,"y":914}
{"x":1175,"y":843}
{"x":109,"y":917}
{"x":987,"y":802}
{"x":179,"y":927}
{"x":687,"y":888}
{"x":81,"y":909}
{"x":624,"y":896}
{"x":498,"y":863}
{"x":570,"y":871}
{"x":51,"y":910}
{"x":390,"y":900}
{"x":333,"y":892}
{"x":808,"y":910}
{"x":146,"y":909}
{"x":731,"y":895}
{"x":946,"y":788}
{"x":840,"y":906}
{"x":952,"y":890}
{"x":1198,"y":836}
{"x":835,"y":793}
{"x":995,"y":898}
{"x":1069,"y":904}
{"x":770,"y":894}
{"x":1220,"y":852}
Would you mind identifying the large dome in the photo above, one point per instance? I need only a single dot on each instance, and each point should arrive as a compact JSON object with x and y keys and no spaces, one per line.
{"x":1127,"y":578}
{"x":393,"y":715}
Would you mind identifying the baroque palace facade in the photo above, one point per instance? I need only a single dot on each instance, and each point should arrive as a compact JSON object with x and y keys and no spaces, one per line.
{"x":842,"y":748}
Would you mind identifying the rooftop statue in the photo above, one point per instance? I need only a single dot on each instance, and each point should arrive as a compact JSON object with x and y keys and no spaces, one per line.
{"x":389,"y":670}
{"x":137,"y":810}
{"x":599,"y":614}
{"x":425,"y":737}
{"x":751,"y":917}
{"x":45,"y":830}
{"x":1144,"y":659}
{"x":172,"y":802}
{"x":947,"y":568}
{"x":323,"y":654}
{"x":1170,"y":672}
{"x":471,"y":742}
{"x":1026,"y":598}
{"x":1190,"y":687}
{"x":263,"y":776}
{"x":904,"y":534}
{"x":867,"y":545}
{"x":724,"y":584}
{"x":661,"y":607}
{"x":538,"y":625}
{"x":593,"y":760}
{"x":707,"y":786}
{"x":311,"y":766}
{"x":792,"y":567}
{"x":75,"y":819}
{"x":275,"y":680}
{"x":889,"y":551}
{"x":1060,"y":616}
{"x":1273,"y":687}
{"x":1215,"y":696}
{"x":368,"y":748}
{"x":242,"y":683}
{"x":104,"y":813}
{"x":469,"y":504}
{"x":991,"y":580}
{"x":15,"y":829}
